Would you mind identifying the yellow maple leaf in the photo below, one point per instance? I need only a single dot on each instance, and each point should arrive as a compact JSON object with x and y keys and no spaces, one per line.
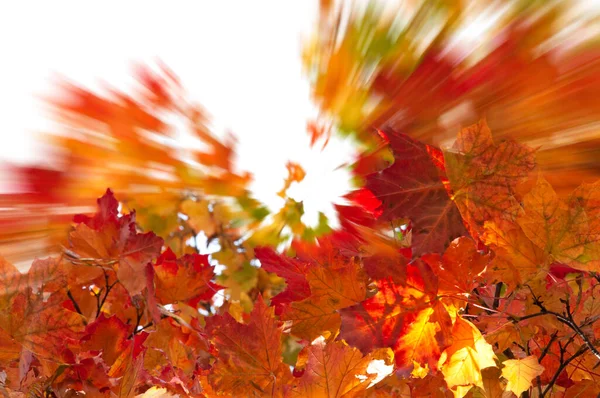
{"x":462,"y":362}
{"x":520,"y":373}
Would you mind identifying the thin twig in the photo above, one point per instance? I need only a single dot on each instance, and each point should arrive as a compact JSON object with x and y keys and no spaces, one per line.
{"x":562,"y":367}
{"x":497,"y":292}
{"x":564,"y":321}
{"x":542,"y":355}
{"x":100,"y":303}
{"x":75,"y":305}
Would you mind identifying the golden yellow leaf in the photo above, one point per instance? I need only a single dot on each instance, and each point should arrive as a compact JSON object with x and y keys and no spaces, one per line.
{"x":462,"y":362}
{"x":520,"y":373}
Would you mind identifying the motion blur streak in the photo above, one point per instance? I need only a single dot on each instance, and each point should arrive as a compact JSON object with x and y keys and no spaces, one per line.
{"x":424,"y":68}
{"x":532,"y":68}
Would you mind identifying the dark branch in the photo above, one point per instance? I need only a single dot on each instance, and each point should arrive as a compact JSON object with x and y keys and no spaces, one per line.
{"x":497,"y":292}
{"x":542,"y":355}
{"x":568,"y":320}
{"x":562,"y":367}
{"x":75,"y":305}
{"x":100,"y":303}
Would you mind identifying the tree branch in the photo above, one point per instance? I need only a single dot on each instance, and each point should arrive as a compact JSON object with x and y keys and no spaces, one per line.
{"x":100,"y":303}
{"x":565,"y":321}
{"x":568,"y":320}
{"x":562,"y":367}
{"x":75,"y":305}
{"x":542,"y":355}
{"x":497,"y":292}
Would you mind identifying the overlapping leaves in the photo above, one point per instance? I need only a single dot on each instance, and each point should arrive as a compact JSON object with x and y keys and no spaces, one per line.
{"x":511,"y":309}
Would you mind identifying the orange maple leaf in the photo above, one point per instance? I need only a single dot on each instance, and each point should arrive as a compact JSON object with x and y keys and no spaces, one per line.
{"x":335,"y":370}
{"x":42,"y":327}
{"x":188,"y":279}
{"x":517,"y":259}
{"x":333,"y":285}
{"x":108,"y":335}
{"x":249,"y":355}
{"x":109,"y":240}
{"x":569,"y":232}
{"x":459,"y":269}
{"x":483,"y":175}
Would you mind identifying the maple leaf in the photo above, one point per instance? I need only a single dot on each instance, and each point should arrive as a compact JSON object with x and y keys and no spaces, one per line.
{"x":561,"y":230}
{"x":249,"y":359}
{"x":357,"y":235}
{"x":546,"y":263}
{"x":40,"y":327}
{"x":137,"y":254}
{"x":406,"y":318}
{"x":44,"y":275}
{"x":462,"y":362}
{"x":156,"y":213}
{"x":11,"y":282}
{"x":324,"y":282}
{"x":416,"y":86}
{"x":381,"y":266}
{"x":493,"y":386}
{"x":517,"y":259}
{"x":186,"y":279}
{"x":483,"y":175}
{"x":108,"y":335}
{"x":459,"y":269}
{"x":413,"y":188}
{"x":587,"y":196}
{"x":543,"y":342}
{"x":182,"y":350}
{"x":85,"y":373}
{"x":25,"y":321}
{"x":292,"y":270}
{"x":336,"y":284}
{"x":335,"y":370}
{"x":520,"y":373}
{"x":107,"y":239}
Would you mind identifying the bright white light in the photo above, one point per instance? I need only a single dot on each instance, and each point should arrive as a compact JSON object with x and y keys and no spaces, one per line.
{"x":191,"y":241}
{"x":318,"y":341}
{"x":218,"y":299}
{"x":379,"y":367}
{"x":241,"y":61}
{"x":324,"y":181}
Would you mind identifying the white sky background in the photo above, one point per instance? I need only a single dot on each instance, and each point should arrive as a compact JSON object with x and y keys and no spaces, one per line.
{"x":239,"y":59}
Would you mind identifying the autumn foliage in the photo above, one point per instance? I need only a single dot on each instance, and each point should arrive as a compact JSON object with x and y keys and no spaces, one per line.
{"x":456,"y":271}
{"x":507,"y":305}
